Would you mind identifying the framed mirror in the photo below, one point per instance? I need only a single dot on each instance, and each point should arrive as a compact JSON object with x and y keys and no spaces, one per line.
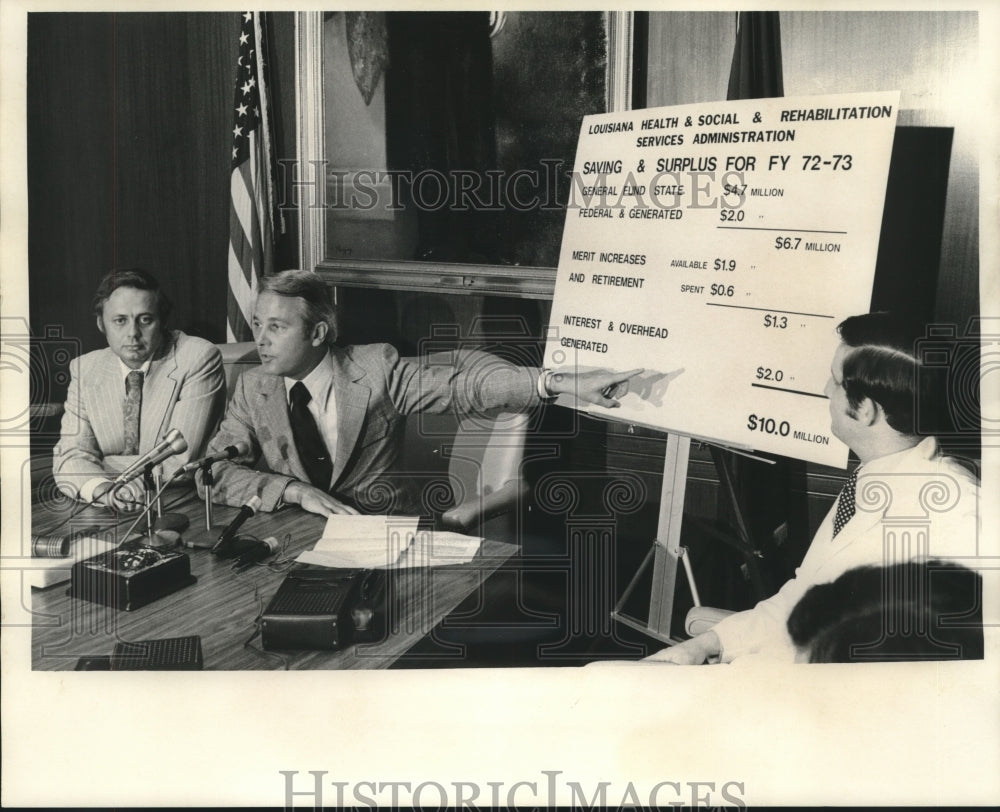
{"x":436,"y":148}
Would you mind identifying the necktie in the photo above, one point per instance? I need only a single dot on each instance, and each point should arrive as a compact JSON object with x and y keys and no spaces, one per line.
{"x":131,"y":410}
{"x":308,"y":441}
{"x":845,"y":502}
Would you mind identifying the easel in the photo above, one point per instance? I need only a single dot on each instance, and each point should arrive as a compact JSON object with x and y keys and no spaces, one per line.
{"x":667,"y":550}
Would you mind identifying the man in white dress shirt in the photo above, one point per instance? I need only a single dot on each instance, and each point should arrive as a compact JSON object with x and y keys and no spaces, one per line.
{"x":905,"y":501}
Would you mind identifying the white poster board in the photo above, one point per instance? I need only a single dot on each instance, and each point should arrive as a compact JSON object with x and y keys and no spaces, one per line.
{"x":718,"y":246}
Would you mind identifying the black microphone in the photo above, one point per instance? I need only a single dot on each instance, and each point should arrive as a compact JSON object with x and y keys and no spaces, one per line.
{"x":249,"y":509}
{"x":228,"y":453}
{"x":173,"y":443}
{"x":257,"y":551}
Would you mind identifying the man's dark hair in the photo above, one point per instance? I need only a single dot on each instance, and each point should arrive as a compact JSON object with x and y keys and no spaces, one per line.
{"x":314,"y":293}
{"x":911,"y":611}
{"x":131,"y":278}
{"x":882,"y":365}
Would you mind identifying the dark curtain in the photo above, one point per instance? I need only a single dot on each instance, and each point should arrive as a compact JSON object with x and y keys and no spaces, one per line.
{"x":440,"y":119}
{"x":763,"y":489}
{"x":756,"y":69}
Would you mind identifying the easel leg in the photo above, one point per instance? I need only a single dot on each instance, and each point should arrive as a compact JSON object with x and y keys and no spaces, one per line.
{"x":668,"y":534}
{"x":666,"y":547}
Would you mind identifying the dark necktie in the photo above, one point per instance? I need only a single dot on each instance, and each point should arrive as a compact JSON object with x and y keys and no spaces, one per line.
{"x":131,"y":409}
{"x":308,"y":441}
{"x":845,"y":503}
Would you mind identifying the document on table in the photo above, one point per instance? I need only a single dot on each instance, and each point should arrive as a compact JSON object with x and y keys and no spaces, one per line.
{"x":387,"y":542}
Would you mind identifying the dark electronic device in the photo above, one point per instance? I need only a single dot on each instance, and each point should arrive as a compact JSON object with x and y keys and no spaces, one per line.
{"x":324,"y":608}
{"x":165,"y":654}
{"x":130,"y":576}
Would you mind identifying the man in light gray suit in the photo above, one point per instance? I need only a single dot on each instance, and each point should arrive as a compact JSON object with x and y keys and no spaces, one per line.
{"x":123,"y":399}
{"x":328,"y":420}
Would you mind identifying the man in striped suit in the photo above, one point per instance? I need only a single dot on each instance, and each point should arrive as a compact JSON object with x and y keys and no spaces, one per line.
{"x":123,"y":399}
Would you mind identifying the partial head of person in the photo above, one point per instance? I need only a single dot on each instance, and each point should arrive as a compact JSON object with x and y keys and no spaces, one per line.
{"x":293,"y":322}
{"x":875,"y":386}
{"x":132,"y":312}
{"x":929,"y":610}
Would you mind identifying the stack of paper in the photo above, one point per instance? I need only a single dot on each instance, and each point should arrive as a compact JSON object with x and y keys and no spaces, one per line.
{"x":387,"y":542}
{"x":439,"y":548}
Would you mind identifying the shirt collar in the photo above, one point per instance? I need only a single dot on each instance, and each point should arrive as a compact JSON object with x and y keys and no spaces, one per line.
{"x":169,"y":338}
{"x":901,"y":461}
{"x":144,"y":369}
{"x":318,"y":382}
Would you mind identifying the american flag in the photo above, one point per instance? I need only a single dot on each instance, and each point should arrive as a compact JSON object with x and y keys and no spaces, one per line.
{"x":251,"y":213}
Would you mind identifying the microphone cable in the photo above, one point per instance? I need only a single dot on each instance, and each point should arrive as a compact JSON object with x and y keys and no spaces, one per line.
{"x":280,"y":562}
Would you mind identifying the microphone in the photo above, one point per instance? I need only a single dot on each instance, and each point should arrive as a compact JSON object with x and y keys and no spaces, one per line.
{"x":173,"y":443}
{"x":249,"y":509}
{"x":228,"y":453}
{"x":257,"y":551}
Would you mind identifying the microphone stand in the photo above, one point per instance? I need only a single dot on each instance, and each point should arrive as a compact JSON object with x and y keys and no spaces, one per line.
{"x":205,"y":539}
{"x":146,"y":512}
{"x":174,"y":522}
{"x":208,"y":479}
{"x":149,"y":487}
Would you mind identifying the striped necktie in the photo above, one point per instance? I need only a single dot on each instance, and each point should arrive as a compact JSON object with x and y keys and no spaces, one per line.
{"x":131,"y":410}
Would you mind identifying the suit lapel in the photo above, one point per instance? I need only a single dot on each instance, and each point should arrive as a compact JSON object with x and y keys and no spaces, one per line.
{"x":158,"y":390}
{"x":104,"y":402}
{"x":352,"y":407}
{"x":274,"y":429}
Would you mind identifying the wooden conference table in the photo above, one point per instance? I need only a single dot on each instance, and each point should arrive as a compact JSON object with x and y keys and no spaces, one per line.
{"x":222,"y":606}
